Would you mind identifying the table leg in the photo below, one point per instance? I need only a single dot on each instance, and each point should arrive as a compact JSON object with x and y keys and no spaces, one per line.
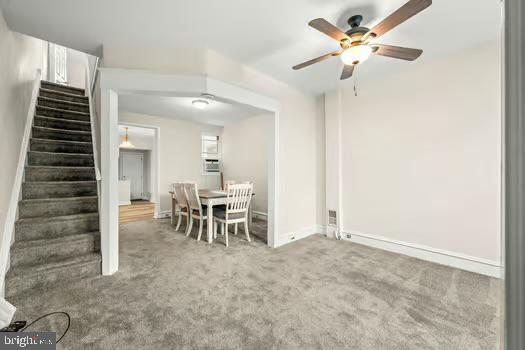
{"x":210,"y":221}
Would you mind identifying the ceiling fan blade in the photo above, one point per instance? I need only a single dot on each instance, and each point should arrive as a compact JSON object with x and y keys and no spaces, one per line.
{"x":348,"y":70}
{"x":408,"y":10}
{"x":329,"y":29}
{"x":315,"y":60}
{"x":403,"y":53}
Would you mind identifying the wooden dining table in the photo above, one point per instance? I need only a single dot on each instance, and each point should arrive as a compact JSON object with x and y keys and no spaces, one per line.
{"x":211,"y":198}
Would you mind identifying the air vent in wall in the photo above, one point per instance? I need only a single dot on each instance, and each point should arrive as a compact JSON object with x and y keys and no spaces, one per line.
{"x":332,"y":218}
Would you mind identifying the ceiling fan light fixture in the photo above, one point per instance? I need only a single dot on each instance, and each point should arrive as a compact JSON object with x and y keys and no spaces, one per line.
{"x":356,"y":54}
{"x":200,"y":104}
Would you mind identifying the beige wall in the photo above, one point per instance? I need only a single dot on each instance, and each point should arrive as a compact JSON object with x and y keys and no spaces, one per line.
{"x":20,"y":57}
{"x":180,"y":152}
{"x":245,"y":155}
{"x":421,"y":154}
{"x":298,"y":124}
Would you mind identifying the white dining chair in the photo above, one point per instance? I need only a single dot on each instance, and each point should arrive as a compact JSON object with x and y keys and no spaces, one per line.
{"x":182,"y":204}
{"x":238,"y":198}
{"x":196,"y":209}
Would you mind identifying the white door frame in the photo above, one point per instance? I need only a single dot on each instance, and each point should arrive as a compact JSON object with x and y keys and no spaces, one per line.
{"x":114,"y":81}
{"x":155,"y":164}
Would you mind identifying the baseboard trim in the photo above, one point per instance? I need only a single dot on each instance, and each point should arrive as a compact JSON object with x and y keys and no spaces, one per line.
{"x":296,"y":235}
{"x":9,"y":227}
{"x":260,"y":215}
{"x":163,"y":214}
{"x":464,"y":262}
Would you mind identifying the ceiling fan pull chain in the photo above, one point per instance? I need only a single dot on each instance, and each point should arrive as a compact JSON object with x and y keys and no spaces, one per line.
{"x":355,"y":82}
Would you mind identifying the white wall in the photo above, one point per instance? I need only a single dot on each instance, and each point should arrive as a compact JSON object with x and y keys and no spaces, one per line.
{"x":20,"y":57}
{"x":180,"y":152}
{"x":421,"y":154}
{"x":298,"y":126}
{"x":76,"y":68}
{"x":245,"y":155}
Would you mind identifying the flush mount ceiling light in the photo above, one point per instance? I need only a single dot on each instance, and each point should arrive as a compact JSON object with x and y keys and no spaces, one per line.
{"x":125,"y":141}
{"x":200,"y":103}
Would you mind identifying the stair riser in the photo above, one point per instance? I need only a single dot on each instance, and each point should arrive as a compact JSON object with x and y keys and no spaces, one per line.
{"x":62,"y":124}
{"x":63,"y":105}
{"x":19,"y":284}
{"x":66,"y":89}
{"x":57,"y":208}
{"x":60,"y":135}
{"x":52,"y":159}
{"x":40,"y":146}
{"x":25,"y":231}
{"x":56,"y":96}
{"x":61,"y":114}
{"x":59,"y":175}
{"x":32,"y":190}
{"x":41,"y":254}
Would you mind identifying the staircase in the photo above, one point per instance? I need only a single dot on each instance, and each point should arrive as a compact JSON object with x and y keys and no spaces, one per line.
{"x":56,"y":236}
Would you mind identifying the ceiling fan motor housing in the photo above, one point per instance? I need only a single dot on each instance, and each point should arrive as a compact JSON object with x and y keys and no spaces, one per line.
{"x":356,"y":32}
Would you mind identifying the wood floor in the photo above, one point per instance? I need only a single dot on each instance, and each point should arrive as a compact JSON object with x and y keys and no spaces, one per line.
{"x":137,"y":211}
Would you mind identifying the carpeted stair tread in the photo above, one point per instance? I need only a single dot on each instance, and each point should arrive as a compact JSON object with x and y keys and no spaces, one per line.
{"x":39,"y":173}
{"x":34,"y":252}
{"x":64,"y":105}
{"x":31,"y":208}
{"x":63,"y":96}
{"x":55,"y":218}
{"x":61,"y":146}
{"x":63,"y":124}
{"x":65,"y":102}
{"x":60,"y":87}
{"x":36,"y":270}
{"x":55,"y":226}
{"x":52,"y":274}
{"x":58,"y":189}
{"x":61,"y":134}
{"x":61,"y":113}
{"x":63,"y":159}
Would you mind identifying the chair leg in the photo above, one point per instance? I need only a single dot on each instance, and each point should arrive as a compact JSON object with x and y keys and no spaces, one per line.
{"x":214,"y":225}
{"x":222,"y":228}
{"x":226,"y":234}
{"x":190,"y":225}
{"x":178,"y":222}
{"x":200,"y":229}
{"x":236,"y":228}
{"x":246,"y":231}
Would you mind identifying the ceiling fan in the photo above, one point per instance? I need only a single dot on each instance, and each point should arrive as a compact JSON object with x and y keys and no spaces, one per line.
{"x":357,"y":42}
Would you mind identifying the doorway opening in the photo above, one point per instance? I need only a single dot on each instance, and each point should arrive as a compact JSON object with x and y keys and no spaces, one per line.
{"x":137,"y":173}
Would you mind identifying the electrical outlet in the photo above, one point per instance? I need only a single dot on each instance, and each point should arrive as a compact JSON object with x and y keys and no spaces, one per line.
{"x":292,"y":237}
{"x":348,"y":236}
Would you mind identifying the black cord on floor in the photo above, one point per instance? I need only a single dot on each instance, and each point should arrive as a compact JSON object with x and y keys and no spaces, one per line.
{"x":50,"y":314}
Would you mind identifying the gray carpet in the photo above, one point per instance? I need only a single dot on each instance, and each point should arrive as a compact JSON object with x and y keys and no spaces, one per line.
{"x":175,"y":293}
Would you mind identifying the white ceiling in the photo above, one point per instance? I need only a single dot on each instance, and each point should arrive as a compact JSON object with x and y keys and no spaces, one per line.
{"x":269,"y":35}
{"x":218,"y":112}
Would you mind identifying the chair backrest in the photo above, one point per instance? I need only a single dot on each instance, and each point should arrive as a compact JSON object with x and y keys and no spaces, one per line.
{"x":228,"y":182}
{"x":180,"y":196}
{"x":192,"y":194}
{"x":238,"y":198}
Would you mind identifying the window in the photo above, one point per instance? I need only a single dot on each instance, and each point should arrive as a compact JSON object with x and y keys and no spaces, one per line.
{"x":211,"y":148}
{"x":60,"y":64}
